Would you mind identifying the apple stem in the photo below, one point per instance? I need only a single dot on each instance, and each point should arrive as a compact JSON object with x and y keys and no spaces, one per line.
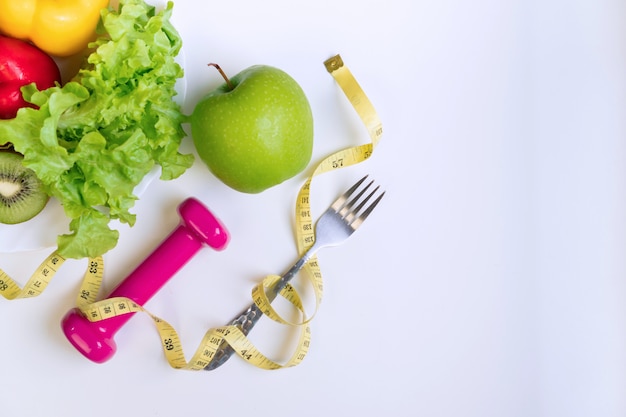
{"x":228,"y":83}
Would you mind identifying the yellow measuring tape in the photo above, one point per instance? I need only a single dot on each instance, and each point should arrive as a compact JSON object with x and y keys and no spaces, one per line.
{"x":37,"y":282}
{"x":305,"y":236}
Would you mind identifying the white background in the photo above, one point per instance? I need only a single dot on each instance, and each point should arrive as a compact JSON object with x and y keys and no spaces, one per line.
{"x":489,"y":282}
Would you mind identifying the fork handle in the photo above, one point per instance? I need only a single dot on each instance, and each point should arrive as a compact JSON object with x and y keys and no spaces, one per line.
{"x":249,"y":317}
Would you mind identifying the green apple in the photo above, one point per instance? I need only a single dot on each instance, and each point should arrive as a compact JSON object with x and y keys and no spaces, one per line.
{"x":254,"y":131}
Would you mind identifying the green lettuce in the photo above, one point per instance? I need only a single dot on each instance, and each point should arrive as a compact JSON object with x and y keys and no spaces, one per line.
{"x":92,"y":140}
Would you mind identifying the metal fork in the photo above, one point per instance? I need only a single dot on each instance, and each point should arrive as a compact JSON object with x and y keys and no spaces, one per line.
{"x":333,"y":227}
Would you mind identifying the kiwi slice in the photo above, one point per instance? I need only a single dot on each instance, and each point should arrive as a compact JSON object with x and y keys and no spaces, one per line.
{"x":21,"y":193}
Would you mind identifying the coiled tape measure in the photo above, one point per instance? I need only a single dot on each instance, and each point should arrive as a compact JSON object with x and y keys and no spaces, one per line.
{"x":94,"y":310}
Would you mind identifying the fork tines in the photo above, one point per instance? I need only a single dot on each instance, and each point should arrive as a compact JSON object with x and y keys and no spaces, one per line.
{"x":352,"y":215}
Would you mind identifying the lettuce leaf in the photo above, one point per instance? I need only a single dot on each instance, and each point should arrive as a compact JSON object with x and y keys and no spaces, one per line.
{"x":92,"y":140}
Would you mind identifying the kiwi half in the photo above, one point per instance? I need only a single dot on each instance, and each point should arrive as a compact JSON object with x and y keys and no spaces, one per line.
{"x":21,"y":193}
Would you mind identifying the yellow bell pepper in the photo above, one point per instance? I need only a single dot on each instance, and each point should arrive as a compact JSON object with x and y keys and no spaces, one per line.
{"x":58,"y":27}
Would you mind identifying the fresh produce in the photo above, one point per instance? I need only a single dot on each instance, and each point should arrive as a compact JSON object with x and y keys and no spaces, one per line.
{"x":254,"y":131}
{"x":58,"y":27}
{"x":22,"y":63}
{"x":21,"y":193}
{"x":92,"y":140}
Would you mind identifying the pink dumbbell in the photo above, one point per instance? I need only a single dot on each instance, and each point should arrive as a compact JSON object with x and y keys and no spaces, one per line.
{"x":197,"y":227}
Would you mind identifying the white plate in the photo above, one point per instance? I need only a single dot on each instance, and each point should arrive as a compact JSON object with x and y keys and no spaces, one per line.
{"x":41,"y":231}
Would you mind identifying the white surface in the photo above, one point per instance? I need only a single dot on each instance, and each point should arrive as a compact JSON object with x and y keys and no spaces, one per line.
{"x":490,"y":281}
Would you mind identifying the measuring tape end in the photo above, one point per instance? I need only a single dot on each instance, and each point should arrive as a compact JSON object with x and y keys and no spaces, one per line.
{"x":334,"y":63}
